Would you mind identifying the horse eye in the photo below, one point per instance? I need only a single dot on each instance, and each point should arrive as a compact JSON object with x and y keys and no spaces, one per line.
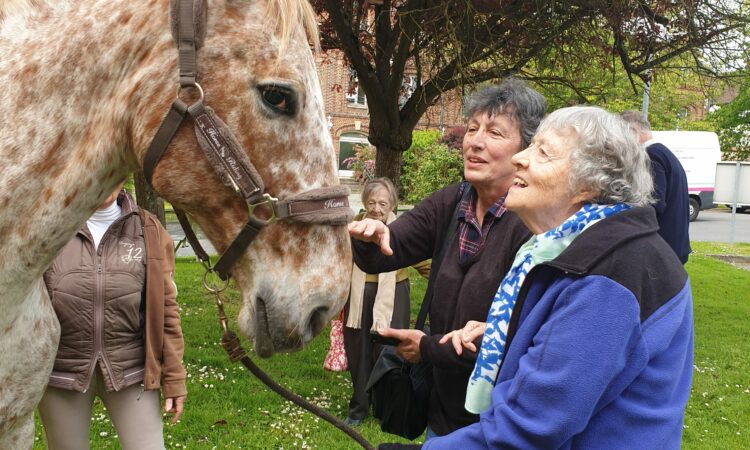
{"x":280,"y":99}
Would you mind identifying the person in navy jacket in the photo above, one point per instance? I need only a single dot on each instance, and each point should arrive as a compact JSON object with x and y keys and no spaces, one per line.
{"x":589,"y":340}
{"x":670,"y":187}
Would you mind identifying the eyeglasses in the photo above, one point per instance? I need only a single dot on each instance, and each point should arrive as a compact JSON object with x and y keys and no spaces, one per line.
{"x":371,"y":204}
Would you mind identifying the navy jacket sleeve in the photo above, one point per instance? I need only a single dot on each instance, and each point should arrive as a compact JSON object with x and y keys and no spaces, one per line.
{"x":660,"y":185}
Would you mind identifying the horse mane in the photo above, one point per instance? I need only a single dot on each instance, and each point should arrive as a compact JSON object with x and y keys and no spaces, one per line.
{"x":296,"y":12}
{"x":12,"y":7}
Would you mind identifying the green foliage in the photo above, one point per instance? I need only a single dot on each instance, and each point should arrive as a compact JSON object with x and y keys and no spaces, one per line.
{"x":229,"y":409}
{"x":129,"y":184}
{"x":733,"y":122}
{"x":420,"y":141}
{"x":428,"y":166}
{"x":698,"y":125}
{"x":673,"y":94}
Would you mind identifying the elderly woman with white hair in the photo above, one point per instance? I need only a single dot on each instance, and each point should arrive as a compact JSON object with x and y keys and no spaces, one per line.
{"x":376,"y":301}
{"x":589,"y":340}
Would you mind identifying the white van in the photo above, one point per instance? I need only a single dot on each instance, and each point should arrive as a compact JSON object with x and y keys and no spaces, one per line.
{"x":698,"y":152}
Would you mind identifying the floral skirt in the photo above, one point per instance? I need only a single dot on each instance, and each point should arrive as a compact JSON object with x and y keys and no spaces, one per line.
{"x":336,"y":358}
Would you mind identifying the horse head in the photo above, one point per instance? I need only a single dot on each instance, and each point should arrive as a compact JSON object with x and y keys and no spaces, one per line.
{"x":258,"y":73}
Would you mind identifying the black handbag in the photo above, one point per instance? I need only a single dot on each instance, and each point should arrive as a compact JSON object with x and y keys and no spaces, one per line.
{"x":400,"y":394}
{"x":399,"y":390}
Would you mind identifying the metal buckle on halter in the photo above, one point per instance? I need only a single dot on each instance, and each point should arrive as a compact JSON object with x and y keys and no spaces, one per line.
{"x":268,"y":201}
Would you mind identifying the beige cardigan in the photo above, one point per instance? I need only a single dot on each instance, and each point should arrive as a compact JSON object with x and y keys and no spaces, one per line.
{"x":382,"y":311}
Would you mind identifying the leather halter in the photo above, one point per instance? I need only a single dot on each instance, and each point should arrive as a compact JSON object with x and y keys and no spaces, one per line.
{"x":326,"y":205}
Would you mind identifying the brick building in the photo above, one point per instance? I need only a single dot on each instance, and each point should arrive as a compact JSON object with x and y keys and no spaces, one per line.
{"x":346,"y":108}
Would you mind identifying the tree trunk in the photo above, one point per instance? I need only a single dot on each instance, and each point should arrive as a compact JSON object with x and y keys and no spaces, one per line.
{"x":388,"y":164}
{"x":147,"y":198}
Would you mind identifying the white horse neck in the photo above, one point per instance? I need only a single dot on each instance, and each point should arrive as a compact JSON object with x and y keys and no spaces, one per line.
{"x":70,"y":71}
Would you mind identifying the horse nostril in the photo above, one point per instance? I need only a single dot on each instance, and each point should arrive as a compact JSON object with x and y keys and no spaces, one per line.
{"x":317,"y":320}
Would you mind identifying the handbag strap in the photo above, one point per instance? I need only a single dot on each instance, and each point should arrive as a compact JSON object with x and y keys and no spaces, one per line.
{"x":436,"y":261}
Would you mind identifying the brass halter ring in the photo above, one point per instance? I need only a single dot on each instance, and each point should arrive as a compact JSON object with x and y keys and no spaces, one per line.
{"x":194,"y":85}
{"x":212,"y":288}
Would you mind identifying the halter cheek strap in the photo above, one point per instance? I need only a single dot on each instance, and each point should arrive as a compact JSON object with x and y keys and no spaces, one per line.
{"x":325,"y":205}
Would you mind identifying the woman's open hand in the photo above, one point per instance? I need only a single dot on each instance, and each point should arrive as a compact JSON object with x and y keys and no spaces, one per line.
{"x":464,"y":338}
{"x":371,"y":230}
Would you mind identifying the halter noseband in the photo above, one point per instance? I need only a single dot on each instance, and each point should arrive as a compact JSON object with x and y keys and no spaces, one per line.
{"x":326,"y":205}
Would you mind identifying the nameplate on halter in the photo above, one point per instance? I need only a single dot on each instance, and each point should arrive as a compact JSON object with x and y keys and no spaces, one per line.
{"x":226,"y":155}
{"x":300,"y":207}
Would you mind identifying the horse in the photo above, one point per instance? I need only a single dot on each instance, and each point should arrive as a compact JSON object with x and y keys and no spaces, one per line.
{"x":84,"y":86}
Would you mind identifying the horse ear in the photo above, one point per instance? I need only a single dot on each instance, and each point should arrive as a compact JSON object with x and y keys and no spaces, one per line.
{"x":200,"y":17}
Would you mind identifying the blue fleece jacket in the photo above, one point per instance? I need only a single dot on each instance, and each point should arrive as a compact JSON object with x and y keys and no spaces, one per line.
{"x":600,"y":349}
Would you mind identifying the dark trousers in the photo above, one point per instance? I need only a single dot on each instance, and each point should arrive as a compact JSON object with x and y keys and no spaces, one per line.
{"x":361,"y":353}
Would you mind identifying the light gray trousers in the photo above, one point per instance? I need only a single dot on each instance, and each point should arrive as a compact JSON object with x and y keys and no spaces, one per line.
{"x":135,"y":413}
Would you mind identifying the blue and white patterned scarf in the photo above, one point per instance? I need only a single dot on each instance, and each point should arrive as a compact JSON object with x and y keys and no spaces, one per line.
{"x":540,"y":248}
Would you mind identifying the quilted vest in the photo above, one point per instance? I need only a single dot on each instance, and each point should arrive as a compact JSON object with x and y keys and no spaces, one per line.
{"x":98,"y":297}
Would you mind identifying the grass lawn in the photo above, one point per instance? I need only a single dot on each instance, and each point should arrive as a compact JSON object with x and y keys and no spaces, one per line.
{"x":228,"y":408}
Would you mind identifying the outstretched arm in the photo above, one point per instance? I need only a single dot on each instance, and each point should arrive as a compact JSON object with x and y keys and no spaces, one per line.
{"x":412,"y":238}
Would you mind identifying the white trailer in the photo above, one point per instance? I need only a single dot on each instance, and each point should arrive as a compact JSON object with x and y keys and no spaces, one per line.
{"x":698,"y":152}
{"x":733,"y":184}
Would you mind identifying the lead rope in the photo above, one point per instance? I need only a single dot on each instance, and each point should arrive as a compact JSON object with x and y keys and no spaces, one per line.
{"x":232,"y":346}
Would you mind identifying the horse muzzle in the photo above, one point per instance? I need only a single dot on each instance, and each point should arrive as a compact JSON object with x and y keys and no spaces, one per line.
{"x":275,"y":328}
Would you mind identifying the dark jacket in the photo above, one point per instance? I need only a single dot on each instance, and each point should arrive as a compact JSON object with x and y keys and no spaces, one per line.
{"x":108,"y":301}
{"x":672,"y":201}
{"x":600,"y":348}
{"x":463,"y":292}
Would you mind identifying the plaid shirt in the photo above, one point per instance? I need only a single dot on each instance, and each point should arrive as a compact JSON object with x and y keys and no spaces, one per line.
{"x":470,"y":235}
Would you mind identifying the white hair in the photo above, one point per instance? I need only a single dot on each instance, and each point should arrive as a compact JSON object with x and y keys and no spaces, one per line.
{"x":606,"y":159}
{"x":380,"y":183}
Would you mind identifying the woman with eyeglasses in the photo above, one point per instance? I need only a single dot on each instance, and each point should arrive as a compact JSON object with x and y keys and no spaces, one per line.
{"x":376,"y":302}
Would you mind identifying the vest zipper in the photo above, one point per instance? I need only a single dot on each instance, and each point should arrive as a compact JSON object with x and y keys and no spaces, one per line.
{"x":99,"y":304}
{"x":99,"y":317}
{"x":98,"y":311}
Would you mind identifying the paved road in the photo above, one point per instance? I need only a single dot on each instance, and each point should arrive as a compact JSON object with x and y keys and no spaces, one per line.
{"x":715,"y":225}
{"x":177,"y":234}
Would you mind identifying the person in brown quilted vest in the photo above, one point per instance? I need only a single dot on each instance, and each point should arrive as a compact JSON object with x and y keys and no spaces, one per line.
{"x":112,"y":289}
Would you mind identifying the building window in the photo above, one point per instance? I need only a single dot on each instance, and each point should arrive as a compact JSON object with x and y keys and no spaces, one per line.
{"x":347,"y":142}
{"x":354,"y":95}
{"x":357,"y":97}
